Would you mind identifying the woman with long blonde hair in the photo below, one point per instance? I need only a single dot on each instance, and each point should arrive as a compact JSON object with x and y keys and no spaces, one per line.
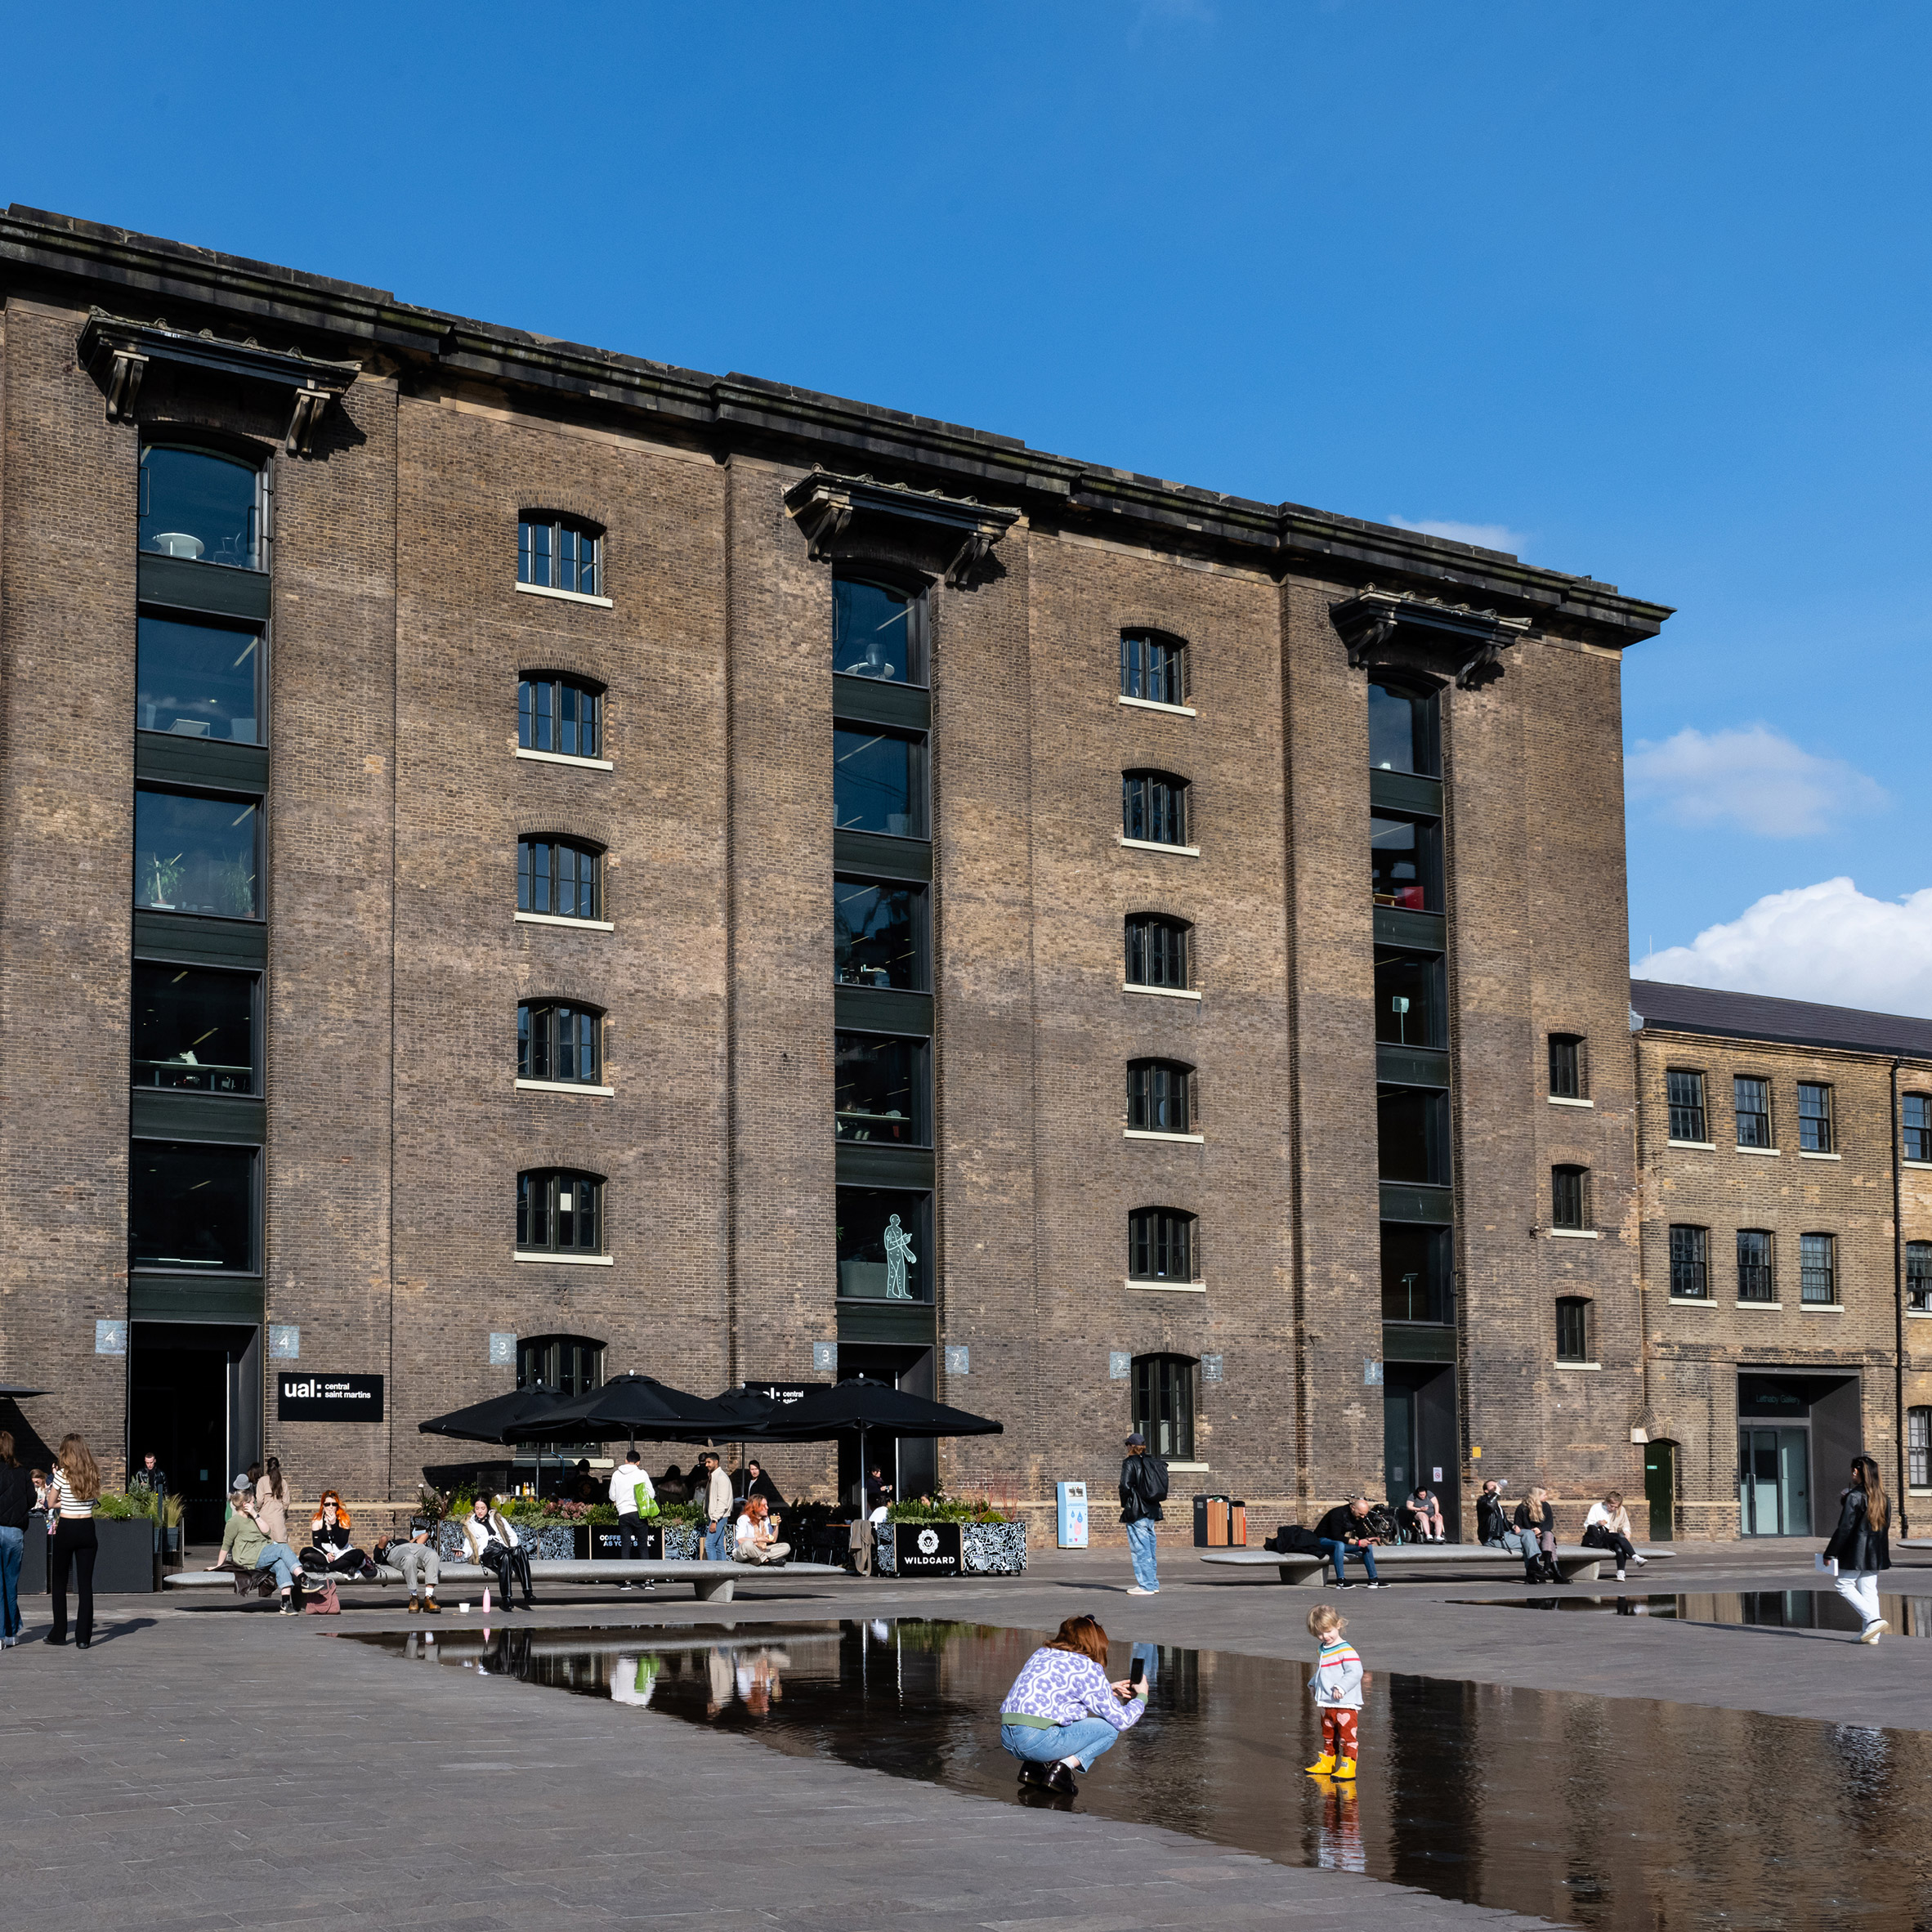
{"x":1860,"y":1546}
{"x":70,"y":1500}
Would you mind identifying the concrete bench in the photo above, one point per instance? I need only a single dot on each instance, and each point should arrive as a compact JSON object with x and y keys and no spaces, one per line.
{"x":711,"y":1581}
{"x":1573,"y":1560}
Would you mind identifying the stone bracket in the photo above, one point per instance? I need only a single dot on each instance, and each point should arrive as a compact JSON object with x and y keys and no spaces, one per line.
{"x":1424,"y":638}
{"x":857,"y":517}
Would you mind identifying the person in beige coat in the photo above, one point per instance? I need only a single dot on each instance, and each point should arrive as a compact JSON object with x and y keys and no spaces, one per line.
{"x":717,"y":1510}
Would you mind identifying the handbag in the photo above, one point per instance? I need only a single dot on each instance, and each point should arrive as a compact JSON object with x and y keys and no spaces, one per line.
{"x":325,"y":1603}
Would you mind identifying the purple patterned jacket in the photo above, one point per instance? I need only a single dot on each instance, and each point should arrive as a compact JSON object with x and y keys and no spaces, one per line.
{"x":1063,"y":1687}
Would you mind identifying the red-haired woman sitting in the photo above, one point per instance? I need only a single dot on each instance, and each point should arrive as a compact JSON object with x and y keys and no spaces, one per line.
{"x":330,"y":1549}
{"x":757,"y":1541}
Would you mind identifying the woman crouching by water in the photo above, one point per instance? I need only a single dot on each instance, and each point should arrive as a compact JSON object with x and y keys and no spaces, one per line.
{"x":1063,"y":1711}
{"x":1860,"y":1547}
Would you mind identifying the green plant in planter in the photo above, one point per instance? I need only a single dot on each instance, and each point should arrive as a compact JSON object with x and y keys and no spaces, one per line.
{"x":111,"y":1506}
{"x":164,"y":875}
{"x":234,"y":888}
{"x":945,"y":1509}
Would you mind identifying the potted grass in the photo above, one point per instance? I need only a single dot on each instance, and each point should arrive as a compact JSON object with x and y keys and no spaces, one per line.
{"x":127,"y":1539}
{"x":992,"y":1541}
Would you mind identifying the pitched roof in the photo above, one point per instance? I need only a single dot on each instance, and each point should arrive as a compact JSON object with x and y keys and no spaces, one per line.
{"x":1754,"y":1016}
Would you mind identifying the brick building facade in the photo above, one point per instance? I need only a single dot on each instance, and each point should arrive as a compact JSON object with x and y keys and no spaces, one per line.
{"x":686,"y":873}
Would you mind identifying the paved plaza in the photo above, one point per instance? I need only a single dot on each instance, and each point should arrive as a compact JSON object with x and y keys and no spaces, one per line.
{"x":207,"y":1766}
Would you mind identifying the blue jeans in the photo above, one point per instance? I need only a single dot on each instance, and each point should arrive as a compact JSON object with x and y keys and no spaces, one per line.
{"x":1085,"y":1740}
{"x":717,"y":1541}
{"x":1338,"y":1553}
{"x":1140,"y":1544}
{"x":280,"y":1558}
{"x":13,"y":1543}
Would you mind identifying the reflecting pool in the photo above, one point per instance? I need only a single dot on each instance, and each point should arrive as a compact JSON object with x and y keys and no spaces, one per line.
{"x":1770,"y":1609}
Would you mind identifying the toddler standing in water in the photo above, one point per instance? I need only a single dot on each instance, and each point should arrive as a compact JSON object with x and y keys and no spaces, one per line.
{"x":1337,"y":1687}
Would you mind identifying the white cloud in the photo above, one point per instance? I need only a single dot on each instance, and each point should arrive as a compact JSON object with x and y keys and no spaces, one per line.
{"x":1756,"y":779}
{"x":1487,"y":536}
{"x":1826,"y":942}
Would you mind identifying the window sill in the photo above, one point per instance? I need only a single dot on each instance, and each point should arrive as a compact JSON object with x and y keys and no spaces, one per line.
{"x":1564,"y":1100}
{"x":1575,"y":1234}
{"x":564,"y":757}
{"x":1596,"y":1366}
{"x":1693,"y":1301}
{"x":1169,"y":1287}
{"x":1201,"y":1469}
{"x":1184,"y":851}
{"x":1703,"y":1146}
{"x":1821,"y":1307}
{"x":564,"y":1087}
{"x":565,"y":1260}
{"x":1177,"y":711}
{"x":557,"y":918}
{"x":1803,"y":1155}
{"x":566,"y":597}
{"x":1127,"y":986}
{"x":1772,"y":1306}
{"x":1924,"y":1166}
{"x":1152,"y":1134}
{"x":1763,"y":1153}
{"x":1918,"y":1314}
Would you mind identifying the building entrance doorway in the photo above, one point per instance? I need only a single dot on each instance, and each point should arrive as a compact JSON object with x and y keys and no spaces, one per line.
{"x":1796,"y":1436}
{"x":1660,"y":1489}
{"x":1773,"y":1482}
{"x":912,"y":1468}
{"x":1419,"y":1439}
{"x":194,"y":1401}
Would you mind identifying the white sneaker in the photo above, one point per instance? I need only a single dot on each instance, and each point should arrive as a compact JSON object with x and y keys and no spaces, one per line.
{"x":1639,"y":1561}
{"x":1134,"y":1589}
{"x":1620,"y":1576}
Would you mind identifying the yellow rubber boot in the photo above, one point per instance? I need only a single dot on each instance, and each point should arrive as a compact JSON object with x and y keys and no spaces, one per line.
{"x":1321,"y":1766}
{"x":1344,"y":1771}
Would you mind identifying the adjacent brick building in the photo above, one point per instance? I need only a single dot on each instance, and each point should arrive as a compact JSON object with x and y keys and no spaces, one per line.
{"x":593,"y":866}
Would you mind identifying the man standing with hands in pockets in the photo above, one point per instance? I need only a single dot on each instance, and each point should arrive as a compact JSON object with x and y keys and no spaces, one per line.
{"x":1143,"y":1489}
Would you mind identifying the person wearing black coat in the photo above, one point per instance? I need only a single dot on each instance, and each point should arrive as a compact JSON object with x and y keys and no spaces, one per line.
{"x":1536,"y":1523}
{"x":1860,"y":1546}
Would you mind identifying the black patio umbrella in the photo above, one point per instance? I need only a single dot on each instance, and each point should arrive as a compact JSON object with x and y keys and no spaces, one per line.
{"x":630,"y":1406}
{"x":485,"y":1421}
{"x":28,"y":1447}
{"x":14,"y":1392}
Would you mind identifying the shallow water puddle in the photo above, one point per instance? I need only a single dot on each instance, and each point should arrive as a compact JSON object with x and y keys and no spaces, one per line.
{"x":1822,"y":1610}
{"x":1618,"y":1814}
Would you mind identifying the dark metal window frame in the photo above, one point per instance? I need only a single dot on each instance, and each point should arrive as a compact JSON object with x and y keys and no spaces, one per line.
{"x":1817,"y":1270}
{"x":257,"y":1019}
{"x":1158,"y":804}
{"x":921,"y":897}
{"x":529,"y":872}
{"x":1918,"y":1276}
{"x":1815,"y":1124}
{"x":255,"y":628}
{"x":1918,"y":1448}
{"x":547,"y":1180}
{"x":1158,"y":1235}
{"x":1569,"y":1066}
{"x":1761,"y":1115}
{"x":255,"y":1152}
{"x":243,"y":454}
{"x":919,"y":622}
{"x":1757,"y":1265}
{"x":537,"y":1043}
{"x":1431,"y":761}
{"x":919,"y":773}
{"x":1159,"y":947}
{"x":1163,"y":1404}
{"x":1690,"y":1118}
{"x":532,"y":1368}
{"x":533,"y":687}
{"x":1915,"y":1114}
{"x":855,"y":1129}
{"x":1155,"y":1087}
{"x":258,"y":882}
{"x":1569,"y":1197}
{"x":1150,"y":657}
{"x":1690,"y":1263}
{"x":556,"y":526}
{"x":1572,"y":1328}
{"x":1429,"y":860}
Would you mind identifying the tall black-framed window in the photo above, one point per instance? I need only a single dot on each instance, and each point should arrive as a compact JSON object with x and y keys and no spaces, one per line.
{"x":560,"y":1212}
{"x":199,"y":504}
{"x":1153,"y":667}
{"x":1569,"y":1197}
{"x":1569,"y":1067}
{"x":1572,"y":1329}
{"x":880,"y":1083}
{"x":559,"y":1040}
{"x":1410,"y":1008}
{"x":882,"y":1244}
{"x":881,"y":934}
{"x":1918,"y":1276}
{"x":564,"y":1364}
{"x":198,"y":679}
{"x":556,"y":552}
{"x":878,"y":629}
{"x":1418,"y":1273}
{"x":561,"y":715}
{"x":1684,"y":1093}
{"x":1915,"y":1114}
{"x":1163,"y":1245}
{"x":1403,"y":731}
{"x":1164,"y":1405}
{"x":1154,"y":808}
{"x":879,"y":781}
{"x":1814,"y":1118}
{"x":1690,"y":1263}
{"x":1757,"y":1277}
{"x":1160,"y":1097}
{"x":1751,"y":1100}
{"x":1412,"y":1135}
{"x":560,"y":877}
{"x":193,"y":1206}
{"x":1918,"y":1448}
{"x":196,"y":1029}
{"x":1405,"y":862}
{"x":1157,"y":950}
{"x":194,"y":852}
{"x":1817,"y":1269}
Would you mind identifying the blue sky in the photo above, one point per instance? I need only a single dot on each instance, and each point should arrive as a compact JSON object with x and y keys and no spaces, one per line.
{"x":1642,"y":286}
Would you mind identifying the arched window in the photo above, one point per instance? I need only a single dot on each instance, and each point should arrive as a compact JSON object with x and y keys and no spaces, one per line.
{"x":199,"y":505}
{"x":877,"y":630}
{"x":559,"y":879}
{"x":561,"y":716}
{"x":1569,"y":1067}
{"x":1154,"y":808}
{"x":1153,"y":668}
{"x":1164,"y":1404}
{"x":1160,"y":1097}
{"x":1572,"y":1329}
{"x":1157,"y":949}
{"x":559,"y":1041}
{"x":556,"y":552}
{"x":559,"y":1212}
{"x":564,"y":1364}
{"x":1569,"y":1198}
{"x":1162,"y":1246}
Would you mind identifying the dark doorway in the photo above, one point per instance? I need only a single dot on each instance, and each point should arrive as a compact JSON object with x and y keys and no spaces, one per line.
{"x":912,"y":1468}
{"x":1796,"y":1436}
{"x":1419,"y":1437}
{"x":1660,"y":1489}
{"x":194,"y":1399}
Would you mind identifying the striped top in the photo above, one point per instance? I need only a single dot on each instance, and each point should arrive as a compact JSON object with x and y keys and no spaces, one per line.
{"x":70,"y":1505}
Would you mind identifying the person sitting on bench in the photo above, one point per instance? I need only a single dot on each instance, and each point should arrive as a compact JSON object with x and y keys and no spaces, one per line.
{"x":1344,"y":1528}
{"x":756,"y":1543}
{"x":1607,"y":1526}
{"x":494,"y":1543}
{"x":246,"y":1547}
{"x":415,"y":1555}
{"x":329,"y":1549}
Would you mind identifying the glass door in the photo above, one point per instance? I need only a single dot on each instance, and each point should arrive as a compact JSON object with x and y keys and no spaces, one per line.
{"x":1773,"y":1482}
{"x":1398,"y":1443}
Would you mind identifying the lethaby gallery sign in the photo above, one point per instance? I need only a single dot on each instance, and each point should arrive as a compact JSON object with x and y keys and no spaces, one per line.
{"x":926,"y":1549}
{"x":311,"y":1398}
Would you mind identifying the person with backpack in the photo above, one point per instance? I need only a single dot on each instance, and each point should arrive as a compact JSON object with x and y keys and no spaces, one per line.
{"x":1861,"y":1545}
{"x":1143,"y":1489}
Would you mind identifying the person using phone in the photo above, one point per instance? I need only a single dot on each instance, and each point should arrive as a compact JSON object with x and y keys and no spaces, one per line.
{"x":1062,"y":1711}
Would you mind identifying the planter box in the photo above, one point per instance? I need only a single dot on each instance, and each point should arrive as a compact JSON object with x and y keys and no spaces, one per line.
{"x":126,"y":1565}
{"x":34,"y":1557}
{"x":985,"y":1549}
{"x":552,"y":1539}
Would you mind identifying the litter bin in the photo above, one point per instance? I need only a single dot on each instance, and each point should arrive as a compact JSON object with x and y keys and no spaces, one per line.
{"x":1210,"y":1522}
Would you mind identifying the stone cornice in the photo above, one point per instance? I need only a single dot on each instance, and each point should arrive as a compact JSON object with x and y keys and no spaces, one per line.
{"x":949,"y":537}
{"x":90,"y":265}
{"x":1443,"y":643}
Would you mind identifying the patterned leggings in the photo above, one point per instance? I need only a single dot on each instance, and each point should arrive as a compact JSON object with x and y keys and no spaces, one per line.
{"x":1338,"y":1733}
